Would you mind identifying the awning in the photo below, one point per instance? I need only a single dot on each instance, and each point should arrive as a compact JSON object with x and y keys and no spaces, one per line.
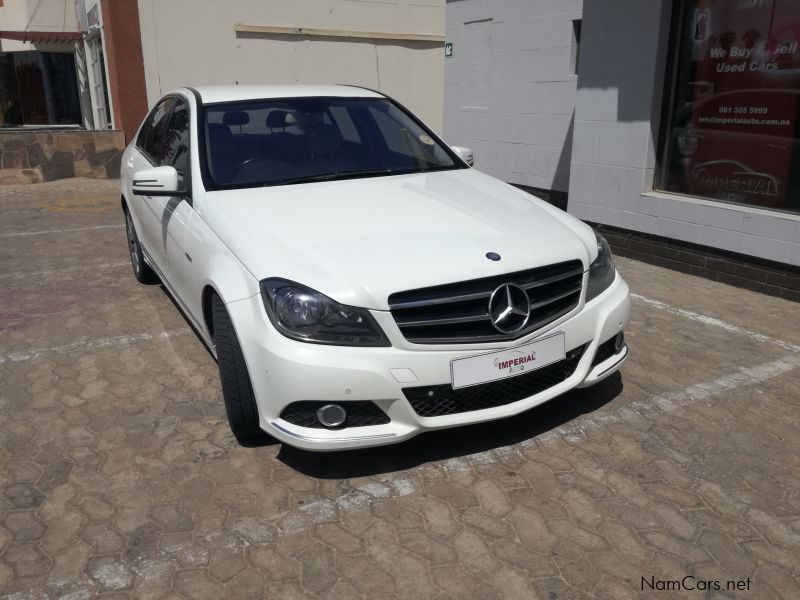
{"x":51,"y":37}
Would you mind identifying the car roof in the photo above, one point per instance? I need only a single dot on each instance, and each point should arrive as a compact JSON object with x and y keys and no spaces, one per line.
{"x":235,"y":93}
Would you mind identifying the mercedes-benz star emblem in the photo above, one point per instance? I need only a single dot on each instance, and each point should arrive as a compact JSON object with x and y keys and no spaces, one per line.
{"x":509,"y":308}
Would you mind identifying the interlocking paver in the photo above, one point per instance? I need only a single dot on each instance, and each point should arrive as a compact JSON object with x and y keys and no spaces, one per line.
{"x":197,"y":585}
{"x":24,"y":525}
{"x":26,"y":559}
{"x":23,"y":495}
{"x":119,"y":477}
{"x":318,"y":572}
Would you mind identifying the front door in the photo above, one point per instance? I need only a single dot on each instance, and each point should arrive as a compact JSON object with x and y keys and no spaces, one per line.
{"x":147,"y":154}
{"x":176,"y":212}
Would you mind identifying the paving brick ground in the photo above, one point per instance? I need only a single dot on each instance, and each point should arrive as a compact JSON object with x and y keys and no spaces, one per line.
{"x":119,"y":477}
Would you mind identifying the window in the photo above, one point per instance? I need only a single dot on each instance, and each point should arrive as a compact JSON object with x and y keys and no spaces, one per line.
{"x":315,"y":139}
{"x":10,"y":105}
{"x":149,"y":140}
{"x":39,"y":88}
{"x":345,"y":124}
{"x":407,"y":140}
{"x":176,"y":140}
{"x":734,"y":102}
{"x":396,"y":138}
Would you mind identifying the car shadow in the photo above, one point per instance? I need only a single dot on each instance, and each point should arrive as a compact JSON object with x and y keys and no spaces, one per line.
{"x":452,"y":443}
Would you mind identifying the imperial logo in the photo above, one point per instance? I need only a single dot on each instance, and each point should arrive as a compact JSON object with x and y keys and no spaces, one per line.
{"x":732,"y":176}
{"x":515,"y":364}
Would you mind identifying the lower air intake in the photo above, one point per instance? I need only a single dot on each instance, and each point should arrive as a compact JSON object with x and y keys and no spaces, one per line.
{"x":440,"y":400}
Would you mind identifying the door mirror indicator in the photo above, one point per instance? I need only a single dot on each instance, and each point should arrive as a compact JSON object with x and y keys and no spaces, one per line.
{"x":158,"y":181}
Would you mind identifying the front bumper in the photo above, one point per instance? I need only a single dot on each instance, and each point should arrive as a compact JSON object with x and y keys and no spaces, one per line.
{"x":283,"y":371}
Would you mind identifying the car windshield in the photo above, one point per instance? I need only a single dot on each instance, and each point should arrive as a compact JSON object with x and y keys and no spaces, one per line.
{"x":297,"y":140}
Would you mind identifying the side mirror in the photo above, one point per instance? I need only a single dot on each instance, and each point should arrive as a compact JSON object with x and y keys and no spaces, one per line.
{"x":158,"y":181}
{"x":464,"y":154}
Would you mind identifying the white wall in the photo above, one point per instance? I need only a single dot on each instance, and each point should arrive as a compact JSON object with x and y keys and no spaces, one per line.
{"x":617,"y":115}
{"x":509,"y":91}
{"x":33,"y":15}
{"x":186,"y":44}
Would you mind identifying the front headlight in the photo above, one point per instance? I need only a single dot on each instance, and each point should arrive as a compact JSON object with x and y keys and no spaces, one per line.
{"x":306,"y":315}
{"x":601,"y":271}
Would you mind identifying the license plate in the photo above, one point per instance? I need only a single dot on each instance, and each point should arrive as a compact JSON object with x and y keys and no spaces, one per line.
{"x":503,"y":364}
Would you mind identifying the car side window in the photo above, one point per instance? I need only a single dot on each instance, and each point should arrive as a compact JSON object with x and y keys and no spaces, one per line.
{"x":149,"y":140}
{"x":144,"y":132}
{"x":175,"y":151}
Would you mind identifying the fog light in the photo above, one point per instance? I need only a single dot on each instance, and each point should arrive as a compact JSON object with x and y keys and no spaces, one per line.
{"x":331,"y":415}
{"x":619,"y":342}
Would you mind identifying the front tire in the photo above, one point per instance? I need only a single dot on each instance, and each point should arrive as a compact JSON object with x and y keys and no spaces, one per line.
{"x":141,"y":270}
{"x":237,"y":391}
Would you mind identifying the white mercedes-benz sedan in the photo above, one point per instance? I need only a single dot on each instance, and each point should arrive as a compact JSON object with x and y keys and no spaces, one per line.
{"x":357,"y":281}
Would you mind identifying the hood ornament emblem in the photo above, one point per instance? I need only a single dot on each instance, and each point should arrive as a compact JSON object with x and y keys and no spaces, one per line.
{"x":493,"y":256}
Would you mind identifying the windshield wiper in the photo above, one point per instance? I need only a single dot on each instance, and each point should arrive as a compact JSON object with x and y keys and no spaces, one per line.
{"x":335,"y":175}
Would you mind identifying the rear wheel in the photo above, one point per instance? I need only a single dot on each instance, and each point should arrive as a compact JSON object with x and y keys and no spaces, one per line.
{"x":237,"y":391}
{"x":141,"y":270}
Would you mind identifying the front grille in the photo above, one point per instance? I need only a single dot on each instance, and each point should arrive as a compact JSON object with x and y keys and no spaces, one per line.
{"x":439,"y":400}
{"x":360,"y":413}
{"x":458,"y":313}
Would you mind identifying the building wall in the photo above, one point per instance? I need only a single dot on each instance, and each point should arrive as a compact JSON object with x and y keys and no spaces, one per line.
{"x":184,"y":45}
{"x":33,"y":15}
{"x":126,"y":75}
{"x":34,"y":156}
{"x":617,"y":115}
{"x":14,"y":17}
{"x":509,"y":88}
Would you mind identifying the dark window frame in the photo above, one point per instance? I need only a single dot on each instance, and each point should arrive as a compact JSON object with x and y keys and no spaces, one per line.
{"x":210,"y":184}
{"x":676,"y":18}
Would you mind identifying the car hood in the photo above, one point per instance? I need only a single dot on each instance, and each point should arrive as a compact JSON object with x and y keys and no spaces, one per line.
{"x":359,"y":240}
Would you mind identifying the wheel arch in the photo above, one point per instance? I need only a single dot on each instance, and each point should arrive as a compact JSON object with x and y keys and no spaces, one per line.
{"x":224,"y":277}
{"x":207,"y":294}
